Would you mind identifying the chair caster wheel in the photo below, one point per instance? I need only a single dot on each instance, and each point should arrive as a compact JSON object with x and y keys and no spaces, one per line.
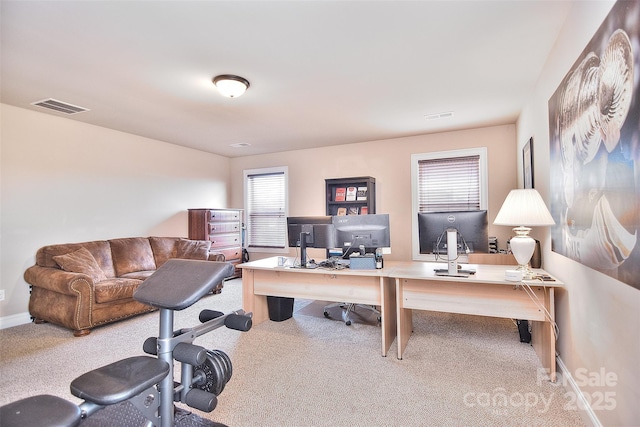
{"x":326,"y":314}
{"x":348,"y":323}
{"x":379,"y":319}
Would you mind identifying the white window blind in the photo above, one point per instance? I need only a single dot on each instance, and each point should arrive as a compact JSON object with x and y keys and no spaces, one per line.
{"x":449,"y":184}
{"x":266,"y":209}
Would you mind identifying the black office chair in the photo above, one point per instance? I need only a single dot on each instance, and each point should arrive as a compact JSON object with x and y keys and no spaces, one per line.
{"x":348,"y":307}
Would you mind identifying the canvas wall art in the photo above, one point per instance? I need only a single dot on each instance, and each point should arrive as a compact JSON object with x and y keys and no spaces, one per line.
{"x":594,"y":126}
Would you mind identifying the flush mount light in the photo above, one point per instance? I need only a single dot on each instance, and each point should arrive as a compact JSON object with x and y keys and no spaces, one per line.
{"x":231,"y":86}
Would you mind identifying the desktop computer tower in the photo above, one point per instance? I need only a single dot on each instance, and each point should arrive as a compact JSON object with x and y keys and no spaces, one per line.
{"x":523,"y":330}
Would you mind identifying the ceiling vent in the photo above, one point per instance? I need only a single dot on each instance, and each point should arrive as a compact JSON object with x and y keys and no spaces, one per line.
{"x":437,"y":116}
{"x":62,"y":107}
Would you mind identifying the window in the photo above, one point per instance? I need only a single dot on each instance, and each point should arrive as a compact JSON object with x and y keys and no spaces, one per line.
{"x":447,"y":181}
{"x":266,"y":209}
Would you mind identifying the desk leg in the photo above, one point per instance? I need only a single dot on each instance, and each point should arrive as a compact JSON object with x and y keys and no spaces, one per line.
{"x":388,"y":313}
{"x":251,"y":303}
{"x":404,"y":321}
{"x":543,"y":339}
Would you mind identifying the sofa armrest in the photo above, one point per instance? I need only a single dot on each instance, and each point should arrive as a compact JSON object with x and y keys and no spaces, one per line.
{"x":217,"y":256}
{"x":57,"y":280}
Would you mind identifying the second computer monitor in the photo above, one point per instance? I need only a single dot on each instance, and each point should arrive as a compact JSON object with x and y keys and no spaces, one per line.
{"x":370,"y":231}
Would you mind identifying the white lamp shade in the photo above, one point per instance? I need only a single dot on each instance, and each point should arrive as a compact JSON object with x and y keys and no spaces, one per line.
{"x":524,"y":207}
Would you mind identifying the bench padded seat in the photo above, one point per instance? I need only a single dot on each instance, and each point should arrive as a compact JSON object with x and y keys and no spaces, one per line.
{"x":40,"y":411}
{"x":120,"y":380}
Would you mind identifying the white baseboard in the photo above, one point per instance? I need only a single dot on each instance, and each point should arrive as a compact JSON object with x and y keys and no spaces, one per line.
{"x":14,"y":320}
{"x":586,"y":412}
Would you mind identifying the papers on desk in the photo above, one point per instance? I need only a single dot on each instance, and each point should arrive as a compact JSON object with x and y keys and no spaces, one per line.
{"x":460,"y":273}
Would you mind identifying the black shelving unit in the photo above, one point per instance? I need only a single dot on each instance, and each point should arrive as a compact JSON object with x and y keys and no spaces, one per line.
{"x":350,"y":207}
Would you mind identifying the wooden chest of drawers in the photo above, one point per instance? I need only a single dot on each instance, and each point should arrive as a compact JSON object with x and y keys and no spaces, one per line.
{"x":223,"y":227}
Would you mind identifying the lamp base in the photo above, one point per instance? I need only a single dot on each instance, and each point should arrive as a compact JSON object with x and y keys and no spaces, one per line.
{"x":522,"y":247}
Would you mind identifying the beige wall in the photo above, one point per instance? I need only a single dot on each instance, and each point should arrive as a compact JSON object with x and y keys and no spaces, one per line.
{"x":597,"y":315}
{"x":389,"y":162}
{"x":65,"y":181}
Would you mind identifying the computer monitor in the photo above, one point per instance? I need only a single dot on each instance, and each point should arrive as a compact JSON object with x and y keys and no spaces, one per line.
{"x":470,"y":225}
{"x":310,"y":232}
{"x":370,"y":231}
{"x":319,"y":228}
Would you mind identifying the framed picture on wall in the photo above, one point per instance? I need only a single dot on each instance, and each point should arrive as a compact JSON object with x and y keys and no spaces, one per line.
{"x":593,"y":151}
{"x":527,"y":163}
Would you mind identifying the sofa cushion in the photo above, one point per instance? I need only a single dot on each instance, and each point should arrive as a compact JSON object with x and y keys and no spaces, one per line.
{"x":100,"y":249}
{"x":115,"y":289}
{"x":132,"y":254}
{"x":163,"y":248}
{"x":193,"y":249}
{"x":140,"y":275}
{"x":81,"y":261}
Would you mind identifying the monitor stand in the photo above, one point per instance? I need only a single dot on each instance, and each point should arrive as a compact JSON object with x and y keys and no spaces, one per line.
{"x":452,"y":251}
{"x":452,"y":257}
{"x":303,"y":249}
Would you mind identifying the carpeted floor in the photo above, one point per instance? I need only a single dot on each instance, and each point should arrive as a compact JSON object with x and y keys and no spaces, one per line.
{"x":313,"y":371}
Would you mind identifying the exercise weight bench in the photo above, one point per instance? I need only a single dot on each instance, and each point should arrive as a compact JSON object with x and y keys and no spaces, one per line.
{"x":148,"y":382}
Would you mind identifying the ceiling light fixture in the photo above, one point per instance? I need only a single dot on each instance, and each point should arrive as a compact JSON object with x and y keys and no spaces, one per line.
{"x":231,"y":86}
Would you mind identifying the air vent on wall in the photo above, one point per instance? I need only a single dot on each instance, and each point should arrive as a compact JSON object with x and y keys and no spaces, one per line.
{"x":62,"y":107}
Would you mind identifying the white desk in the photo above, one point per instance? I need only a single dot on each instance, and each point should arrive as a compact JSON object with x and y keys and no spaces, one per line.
{"x":372,"y":287}
{"x":402,"y":287}
{"x":485,"y":293}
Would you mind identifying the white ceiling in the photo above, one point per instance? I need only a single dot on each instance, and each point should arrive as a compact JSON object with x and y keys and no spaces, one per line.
{"x":322,"y":72}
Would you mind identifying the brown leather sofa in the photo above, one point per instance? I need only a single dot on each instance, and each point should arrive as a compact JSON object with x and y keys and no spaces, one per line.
{"x":84,"y":285}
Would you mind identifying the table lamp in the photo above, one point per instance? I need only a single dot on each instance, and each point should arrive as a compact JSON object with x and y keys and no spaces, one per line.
{"x":523,"y":208}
